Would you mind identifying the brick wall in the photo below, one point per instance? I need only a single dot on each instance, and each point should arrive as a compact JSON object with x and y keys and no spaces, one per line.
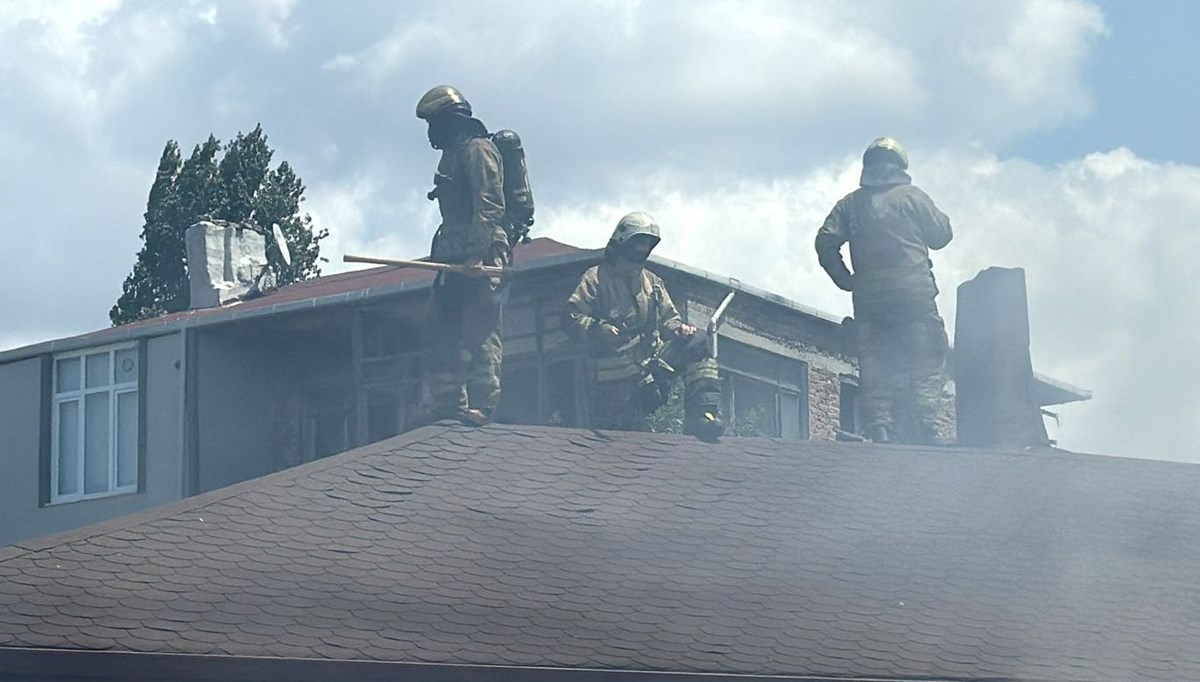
{"x":948,"y":415}
{"x":824,"y":404}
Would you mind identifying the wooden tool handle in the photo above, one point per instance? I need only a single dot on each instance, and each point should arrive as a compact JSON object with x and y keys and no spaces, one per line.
{"x":423,"y":265}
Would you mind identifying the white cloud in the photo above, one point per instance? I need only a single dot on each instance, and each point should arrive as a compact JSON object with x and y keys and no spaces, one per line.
{"x":64,"y":25}
{"x":1106,"y":241}
{"x":1045,"y":45}
{"x":268,"y":21}
{"x":364,"y":220}
{"x":966,"y":71}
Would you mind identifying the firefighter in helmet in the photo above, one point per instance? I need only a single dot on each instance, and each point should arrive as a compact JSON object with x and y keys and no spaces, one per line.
{"x":891,"y":226}
{"x":461,"y":334}
{"x":637,"y":342}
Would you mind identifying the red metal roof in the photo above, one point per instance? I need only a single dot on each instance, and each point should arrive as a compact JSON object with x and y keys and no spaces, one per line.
{"x":525,"y":256}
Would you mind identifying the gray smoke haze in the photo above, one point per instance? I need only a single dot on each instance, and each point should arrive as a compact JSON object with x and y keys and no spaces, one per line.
{"x":737,"y":124}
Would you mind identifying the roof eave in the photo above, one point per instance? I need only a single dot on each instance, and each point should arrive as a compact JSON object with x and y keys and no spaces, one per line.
{"x":75,"y":664}
{"x":1050,"y":391}
{"x":227,"y":314}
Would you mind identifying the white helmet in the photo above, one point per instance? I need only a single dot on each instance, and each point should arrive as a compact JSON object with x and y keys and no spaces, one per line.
{"x":886,"y":149}
{"x":633,"y":224}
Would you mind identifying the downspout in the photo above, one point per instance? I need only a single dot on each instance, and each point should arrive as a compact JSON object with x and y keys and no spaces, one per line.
{"x":188,"y":418}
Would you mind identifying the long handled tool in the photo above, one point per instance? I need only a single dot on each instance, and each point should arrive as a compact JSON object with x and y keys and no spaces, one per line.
{"x":467,"y":270}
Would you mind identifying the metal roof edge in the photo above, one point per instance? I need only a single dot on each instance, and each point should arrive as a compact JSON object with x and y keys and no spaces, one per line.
{"x":737,"y":285}
{"x":225,"y":314}
{"x":1078,"y":393}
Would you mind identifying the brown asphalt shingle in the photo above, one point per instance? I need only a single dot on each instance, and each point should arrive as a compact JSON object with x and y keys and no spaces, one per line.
{"x":557,"y":547}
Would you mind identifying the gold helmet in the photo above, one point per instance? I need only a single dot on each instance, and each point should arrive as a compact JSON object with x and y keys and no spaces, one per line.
{"x":886,"y":149}
{"x":633,"y":224}
{"x":442,"y":99}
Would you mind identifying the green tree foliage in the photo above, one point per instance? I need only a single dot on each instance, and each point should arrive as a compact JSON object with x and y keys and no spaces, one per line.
{"x":236,"y":184}
{"x":669,"y":417}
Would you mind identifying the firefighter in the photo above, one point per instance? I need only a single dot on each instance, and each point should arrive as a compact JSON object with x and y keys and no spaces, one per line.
{"x":891,"y":226}
{"x":461,"y":334}
{"x":637,"y":342}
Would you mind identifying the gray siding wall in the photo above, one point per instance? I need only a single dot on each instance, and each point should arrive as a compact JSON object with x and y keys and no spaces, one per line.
{"x":20,"y":448}
{"x":21,"y":402}
{"x":234,"y":398}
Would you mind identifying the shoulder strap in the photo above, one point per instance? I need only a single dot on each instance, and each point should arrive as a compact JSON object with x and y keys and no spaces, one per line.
{"x":655,"y":286}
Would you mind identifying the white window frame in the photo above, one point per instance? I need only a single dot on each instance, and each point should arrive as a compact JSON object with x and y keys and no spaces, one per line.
{"x":114,"y":391}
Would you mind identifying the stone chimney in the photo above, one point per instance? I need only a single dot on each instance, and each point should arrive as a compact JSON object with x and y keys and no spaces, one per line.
{"x":227,"y":262}
{"x":993,"y":373}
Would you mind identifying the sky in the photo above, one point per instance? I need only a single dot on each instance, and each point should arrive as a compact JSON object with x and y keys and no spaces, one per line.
{"x":1059,"y":135}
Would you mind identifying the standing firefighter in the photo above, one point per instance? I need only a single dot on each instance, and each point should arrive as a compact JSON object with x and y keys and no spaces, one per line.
{"x":891,"y":225}
{"x":637,"y":340}
{"x":462,"y":327}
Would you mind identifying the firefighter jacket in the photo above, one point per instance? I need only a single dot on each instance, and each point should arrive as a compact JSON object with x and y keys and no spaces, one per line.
{"x":630,"y":298}
{"x":469,"y":187}
{"x":891,"y":227}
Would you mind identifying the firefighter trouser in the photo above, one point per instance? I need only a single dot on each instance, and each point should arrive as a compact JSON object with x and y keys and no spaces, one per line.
{"x":462,"y":347}
{"x":902,"y":364}
{"x":617,"y":399}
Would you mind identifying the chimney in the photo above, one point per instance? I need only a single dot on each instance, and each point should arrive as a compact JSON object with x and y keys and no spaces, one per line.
{"x":993,"y":374}
{"x":227,"y":262}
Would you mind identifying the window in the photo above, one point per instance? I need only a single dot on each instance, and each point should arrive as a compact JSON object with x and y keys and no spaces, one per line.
{"x":94,"y":424}
{"x":848,"y":416}
{"x":768,"y":393}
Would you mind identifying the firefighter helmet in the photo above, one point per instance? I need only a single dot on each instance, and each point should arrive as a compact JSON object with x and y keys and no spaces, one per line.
{"x":633,"y":224}
{"x":887,"y":150}
{"x":443,"y":99}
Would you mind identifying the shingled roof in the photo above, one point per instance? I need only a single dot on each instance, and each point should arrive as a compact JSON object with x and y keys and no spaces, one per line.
{"x":544,"y":553}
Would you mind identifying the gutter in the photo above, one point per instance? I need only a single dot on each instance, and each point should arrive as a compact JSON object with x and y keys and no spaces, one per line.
{"x":61,"y":665}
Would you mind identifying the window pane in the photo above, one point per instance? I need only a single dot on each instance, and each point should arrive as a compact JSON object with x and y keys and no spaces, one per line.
{"x":95,"y":443}
{"x":748,"y":359}
{"x":789,"y":413}
{"x":127,"y":365}
{"x":68,"y":375}
{"x":795,"y":373}
{"x":848,"y":408}
{"x":754,"y":407}
{"x":68,"y":446}
{"x":97,"y":370}
{"x":127,"y":439}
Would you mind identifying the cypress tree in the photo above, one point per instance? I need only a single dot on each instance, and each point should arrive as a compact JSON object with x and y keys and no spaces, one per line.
{"x":144,"y":293}
{"x":238,"y":187}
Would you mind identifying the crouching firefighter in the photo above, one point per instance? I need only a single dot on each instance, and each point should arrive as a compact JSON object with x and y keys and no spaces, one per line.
{"x":637,"y":342}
